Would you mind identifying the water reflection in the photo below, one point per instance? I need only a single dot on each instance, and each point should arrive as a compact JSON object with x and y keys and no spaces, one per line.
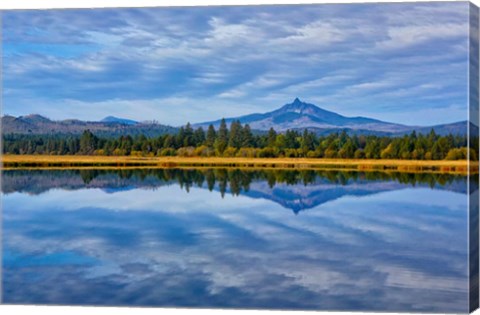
{"x":294,"y":189}
{"x":222,"y":238}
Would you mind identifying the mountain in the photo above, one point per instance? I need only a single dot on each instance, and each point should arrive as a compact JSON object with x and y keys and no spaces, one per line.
{"x":116,"y":120}
{"x":454,"y":128}
{"x":110,"y":126}
{"x":299,"y":115}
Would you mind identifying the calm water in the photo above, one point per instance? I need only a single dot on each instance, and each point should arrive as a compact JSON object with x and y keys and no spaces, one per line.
{"x":218,"y":238}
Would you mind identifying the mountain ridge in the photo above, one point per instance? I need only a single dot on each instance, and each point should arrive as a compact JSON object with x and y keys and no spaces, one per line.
{"x":41,"y":125}
{"x":297,"y":115}
{"x":300,"y":115}
{"x":113,"y":119}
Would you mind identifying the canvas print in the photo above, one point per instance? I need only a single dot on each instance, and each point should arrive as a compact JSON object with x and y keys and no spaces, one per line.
{"x":299,"y":157}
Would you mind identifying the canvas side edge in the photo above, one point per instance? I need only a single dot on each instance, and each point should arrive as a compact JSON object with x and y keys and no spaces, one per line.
{"x":473,"y":154}
{"x":1,"y":153}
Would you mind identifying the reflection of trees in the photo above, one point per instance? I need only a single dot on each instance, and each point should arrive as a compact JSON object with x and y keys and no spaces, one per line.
{"x":88,"y":175}
{"x":237,"y":181}
{"x":210,"y":177}
{"x":222,"y":180}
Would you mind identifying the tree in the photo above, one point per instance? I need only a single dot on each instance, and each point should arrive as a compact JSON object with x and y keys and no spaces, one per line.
{"x":146,"y":146}
{"x":271,"y":138}
{"x":211,"y":135}
{"x":347,"y":151}
{"x":73,"y":145}
{"x":198,"y":137}
{"x":140,"y":143}
{"x":62,"y":147}
{"x":372,"y":148}
{"x":343,"y":138}
{"x":247,"y":137}
{"x":431,"y":138}
{"x":188,"y":136}
{"x":440,"y":148}
{"x":291,"y":139}
{"x":222,"y":138}
{"x":88,"y":142}
{"x":280,"y":142}
{"x":169,"y":142}
{"x":126,"y":143}
{"x":235,"y":138}
{"x":179,"y":139}
{"x":308,"y":141}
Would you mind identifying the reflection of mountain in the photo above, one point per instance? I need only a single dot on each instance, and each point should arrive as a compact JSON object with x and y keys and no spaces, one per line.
{"x":298,"y":198}
{"x":295,"y":190}
{"x":38,"y":182}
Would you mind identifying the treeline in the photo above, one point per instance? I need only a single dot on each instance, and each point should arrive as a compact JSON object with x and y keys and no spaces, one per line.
{"x":240,"y":141}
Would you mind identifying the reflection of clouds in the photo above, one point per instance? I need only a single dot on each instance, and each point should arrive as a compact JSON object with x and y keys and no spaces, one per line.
{"x":173,"y":199}
{"x":166,"y":247}
{"x":423,"y":197}
{"x":400,"y":277}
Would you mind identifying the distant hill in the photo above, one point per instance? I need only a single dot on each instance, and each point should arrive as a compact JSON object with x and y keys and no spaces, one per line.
{"x":454,"y":128}
{"x":110,"y":126}
{"x":116,"y":120}
{"x":299,"y":115}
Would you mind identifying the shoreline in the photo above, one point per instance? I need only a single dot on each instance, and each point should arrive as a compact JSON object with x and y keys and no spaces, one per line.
{"x":10,"y":162}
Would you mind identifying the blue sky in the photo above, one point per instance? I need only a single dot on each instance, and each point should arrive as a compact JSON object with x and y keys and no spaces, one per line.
{"x":404,"y":63}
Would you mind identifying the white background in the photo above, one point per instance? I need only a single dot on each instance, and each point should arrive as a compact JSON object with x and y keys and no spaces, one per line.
{"x":54,"y":310}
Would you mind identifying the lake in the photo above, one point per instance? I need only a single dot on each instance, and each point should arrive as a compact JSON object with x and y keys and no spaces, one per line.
{"x":232,"y":238}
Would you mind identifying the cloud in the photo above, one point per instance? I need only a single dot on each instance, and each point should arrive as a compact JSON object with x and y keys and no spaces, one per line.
{"x":260,"y":57}
{"x":407,"y":36}
{"x":232,"y":94}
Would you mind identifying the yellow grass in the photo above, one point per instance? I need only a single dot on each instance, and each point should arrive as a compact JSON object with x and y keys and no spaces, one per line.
{"x":56,"y":161}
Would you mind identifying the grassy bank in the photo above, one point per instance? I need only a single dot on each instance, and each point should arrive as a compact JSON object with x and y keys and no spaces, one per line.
{"x":75,"y":161}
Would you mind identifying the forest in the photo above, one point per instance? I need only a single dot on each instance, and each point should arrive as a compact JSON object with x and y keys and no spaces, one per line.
{"x":240,"y":141}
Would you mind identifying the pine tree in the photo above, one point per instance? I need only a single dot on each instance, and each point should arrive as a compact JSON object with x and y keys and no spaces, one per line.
{"x":235,"y":139}
{"x":211,"y":136}
{"x":308,"y":141}
{"x":169,"y":142}
{"x":179,"y":139}
{"x":198,"y":137}
{"x":271,"y":138}
{"x":87,"y":142}
{"x":188,"y":136}
{"x":126,"y":144}
{"x":247,"y":137}
{"x":291,"y":139}
{"x":222,"y":137}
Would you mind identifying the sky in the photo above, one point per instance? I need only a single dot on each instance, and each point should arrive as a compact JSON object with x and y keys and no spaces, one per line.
{"x":405,"y":63}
